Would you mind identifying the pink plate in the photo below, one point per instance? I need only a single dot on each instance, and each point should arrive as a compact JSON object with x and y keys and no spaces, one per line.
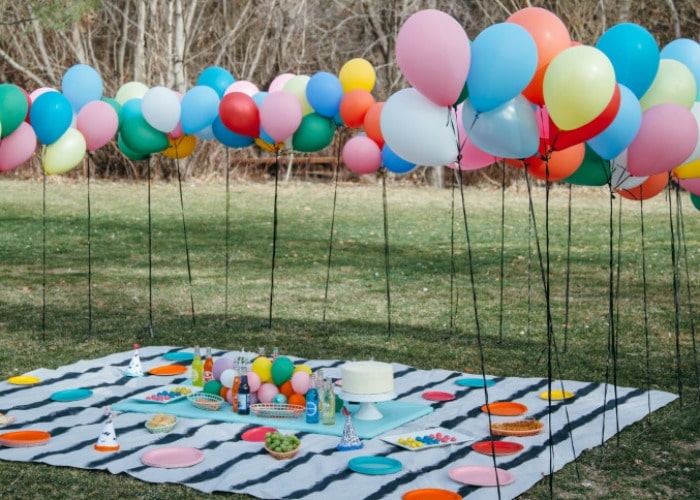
{"x":257,"y":434}
{"x":481,"y":475}
{"x":172,"y":457}
{"x":438,"y":396}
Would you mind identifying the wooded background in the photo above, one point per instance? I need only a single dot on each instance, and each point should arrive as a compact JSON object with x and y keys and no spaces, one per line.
{"x":170,"y":42}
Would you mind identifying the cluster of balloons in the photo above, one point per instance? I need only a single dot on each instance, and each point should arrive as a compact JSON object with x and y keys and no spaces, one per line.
{"x":622,"y":111}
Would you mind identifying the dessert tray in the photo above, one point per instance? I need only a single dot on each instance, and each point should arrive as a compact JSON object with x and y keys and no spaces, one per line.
{"x":428,"y":438}
{"x":527,"y":427}
{"x":166,"y":394}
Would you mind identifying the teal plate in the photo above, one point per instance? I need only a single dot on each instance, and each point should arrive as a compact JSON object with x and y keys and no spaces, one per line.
{"x":474,"y":382}
{"x":179,"y":356}
{"x":374,"y":465}
{"x":71,"y":395}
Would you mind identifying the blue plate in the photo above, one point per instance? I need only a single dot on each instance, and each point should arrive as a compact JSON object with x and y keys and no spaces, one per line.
{"x":474,"y":382}
{"x":374,"y":465}
{"x":179,"y":356}
{"x":71,"y":395}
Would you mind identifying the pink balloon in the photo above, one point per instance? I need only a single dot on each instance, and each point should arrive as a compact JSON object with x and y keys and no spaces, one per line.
{"x":243,"y":86}
{"x":666,"y":137}
{"x":17,"y":147}
{"x":280,"y":115}
{"x":279,"y":82}
{"x":98,"y":122}
{"x":42,"y":90}
{"x":267,"y":392}
{"x":362,"y":155}
{"x":690,"y":185}
{"x":254,"y":381}
{"x":300,"y":382}
{"x":433,"y":53}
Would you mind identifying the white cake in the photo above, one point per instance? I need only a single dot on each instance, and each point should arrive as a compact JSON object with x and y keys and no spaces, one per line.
{"x":367,"y":377}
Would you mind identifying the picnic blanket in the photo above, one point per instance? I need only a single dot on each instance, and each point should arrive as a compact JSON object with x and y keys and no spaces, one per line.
{"x":319,"y":470}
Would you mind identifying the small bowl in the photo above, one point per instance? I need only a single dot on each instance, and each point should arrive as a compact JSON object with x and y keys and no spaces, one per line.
{"x":282,"y":456}
{"x":205,"y":401}
{"x":161,"y":428}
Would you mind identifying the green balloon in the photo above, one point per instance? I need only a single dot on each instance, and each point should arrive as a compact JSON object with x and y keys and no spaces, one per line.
{"x":282,"y":369}
{"x":128,"y":152}
{"x":13,"y":108}
{"x":695,"y":200}
{"x":212,"y":387}
{"x":463,"y":95}
{"x":315,"y":133}
{"x":117,"y":108}
{"x":593,"y":171}
{"x":139,"y":136}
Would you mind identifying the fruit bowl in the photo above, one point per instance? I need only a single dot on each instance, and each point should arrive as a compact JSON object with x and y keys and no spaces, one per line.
{"x":281,"y":446}
{"x":282,"y":455}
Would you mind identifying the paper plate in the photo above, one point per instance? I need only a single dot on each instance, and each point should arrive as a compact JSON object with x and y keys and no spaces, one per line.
{"x":505,"y":408}
{"x":257,"y":434}
{"x":178,"y":356}
{"x":70,"y":395}
{"x":481,"y":475}
{"x":24,"y":380}
{"x":172,"y":457}
{"x":438,"y":396}
{"x":474,"y":382}
{"x":431,"y":494}
{"x":374,"y":465}
{"x":20,"y":439}
{"x":557,"y":395}
{"x":497,"y":447}
{"x":168,"y":370}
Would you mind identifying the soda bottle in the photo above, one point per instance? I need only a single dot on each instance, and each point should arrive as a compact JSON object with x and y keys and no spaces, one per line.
{"x":275,"y":353}
{"x":328,"y":415}
{"x":234,"y":393}
{"x":208,"y":369}
{"x":244,"y":396}
{"x":312,"y":402}
{"x":197,"y":369}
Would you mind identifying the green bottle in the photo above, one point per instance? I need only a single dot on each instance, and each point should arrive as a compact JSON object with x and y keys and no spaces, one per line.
{"x":197,"y":369}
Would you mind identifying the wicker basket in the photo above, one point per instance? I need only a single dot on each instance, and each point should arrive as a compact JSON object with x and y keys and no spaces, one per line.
{"x":205,"y":401}
{"x":282,"y":456}
{"x":161,"y":428}
{"x":272,"y":410}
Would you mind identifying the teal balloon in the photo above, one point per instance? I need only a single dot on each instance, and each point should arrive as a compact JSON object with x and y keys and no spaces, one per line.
{"x":128,"y":152}
{"x":216,"y":78}
{"x":50,"y":115}
{"x":314,"y":133}
{"x":282,"y":369}
{"x":140,"y":137}
{"x":593,"y":171}
{"x":117,"y":107}
{"x":13,"y":108}
{"x":695,"y":200}
{"x":212,"y":387}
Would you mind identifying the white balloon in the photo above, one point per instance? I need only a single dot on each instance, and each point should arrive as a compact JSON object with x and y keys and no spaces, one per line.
{"x":418,"y":130}
{"x":161,"y":108}
{"x":620,"y":177}
{"x":227,"y":377}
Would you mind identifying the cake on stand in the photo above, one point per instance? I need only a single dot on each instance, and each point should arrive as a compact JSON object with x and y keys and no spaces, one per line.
{"x":368,"y":409}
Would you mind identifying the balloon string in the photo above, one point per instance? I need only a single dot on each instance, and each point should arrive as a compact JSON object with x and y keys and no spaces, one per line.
{"x":676,"y":298}
{"x":568,"y":275}
{"x":645,"y":311}
{"x":227,"y":236}
{"x":274,"y":237}
{"x":616,"y":323}
{"x":503,"y":250}
{"x":339,"y":147}
{"x":611,"y":319}
{"x":149,"y":327}
{"x":454,"y":291}
{"x":386,"y":252}
{"x":89,"y":249}
{"x":184,"y":230}
{"x":43,"y":260}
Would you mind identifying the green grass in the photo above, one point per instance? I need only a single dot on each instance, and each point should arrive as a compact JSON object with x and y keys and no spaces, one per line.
{"x":433,"y":317}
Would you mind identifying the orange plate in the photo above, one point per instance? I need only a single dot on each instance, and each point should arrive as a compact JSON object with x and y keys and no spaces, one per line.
{"x":18,"y":439}
{"x":505,"y":408}
{"x":168,"y":370}
{"x":497,"y":447}
{"x":431,"y":494}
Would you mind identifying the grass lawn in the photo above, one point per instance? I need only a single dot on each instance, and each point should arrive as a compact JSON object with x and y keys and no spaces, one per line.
{"x":73,"y":287}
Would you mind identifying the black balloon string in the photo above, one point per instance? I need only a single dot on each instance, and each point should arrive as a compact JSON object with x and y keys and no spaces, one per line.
{"x":387,"y":264}
{"x":149,"y":327}
{"x":274,"y":236}
{"x":184,"y":230}
{"x":89,"y":248}
{"x":227,"y":236}
{"x":336,"y":166}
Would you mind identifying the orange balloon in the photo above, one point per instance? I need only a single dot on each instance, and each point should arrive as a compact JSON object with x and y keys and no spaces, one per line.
{"x":181,"y":147}
{"x":647,"y":189}
{"x":354,"y":107}
{"x":560,"y":165}
{"x":551,"y":36}
{"x":296,"y":399}
{"x":371,"y":124}
{"x":287,"y":389}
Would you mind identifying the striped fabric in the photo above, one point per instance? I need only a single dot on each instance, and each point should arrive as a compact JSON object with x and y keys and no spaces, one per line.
{"x":319,"y":470}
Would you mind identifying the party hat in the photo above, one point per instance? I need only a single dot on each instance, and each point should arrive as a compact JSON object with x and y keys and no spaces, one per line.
{"x":349,"y":440}
{"x":107,"y":440}
{"x":134,"y":369}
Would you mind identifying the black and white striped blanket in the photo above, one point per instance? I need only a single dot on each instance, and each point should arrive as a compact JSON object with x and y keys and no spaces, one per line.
{"x":319,"y":470}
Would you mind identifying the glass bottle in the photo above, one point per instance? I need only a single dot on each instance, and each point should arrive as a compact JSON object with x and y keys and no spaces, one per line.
{"x":208,"y":369}
{"x":197,"y":369}
{"x":244,"y":396}
{"x":275,"y":353}
{"x":328,"y":415}
{"x":312,"y":416}
{"x":234,"y":393}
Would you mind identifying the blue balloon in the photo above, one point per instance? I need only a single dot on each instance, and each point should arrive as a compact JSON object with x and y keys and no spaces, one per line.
{"x":394,"y":163}
{"x":81,"y":84}
{"x":216,"y":78}
{"x":50,"y":115}
{"x":131,"y":109}
{"x":621,"y":132}
{"x":686,"y":51}
{"x":199,"y":108}
{"x":228,"y":137}
{"x":634,"y":54}
{"x":324,"y":93}
{"x":503,"y":62}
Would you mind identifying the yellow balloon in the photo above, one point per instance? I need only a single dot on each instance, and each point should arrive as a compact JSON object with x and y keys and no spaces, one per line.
{"x":578,"y":85}
{"x":297,"y":86}
{"x":688,"y":171}
{"x":673,"y":83}
{"x":263,"y":367}
{"x":303,"y":368}
{"x":181,"y":147}
{"x":357,"y":73}
{"x":64,"y":154}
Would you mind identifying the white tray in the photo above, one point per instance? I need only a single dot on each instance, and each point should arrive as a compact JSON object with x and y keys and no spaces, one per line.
{"x":456,"y":438}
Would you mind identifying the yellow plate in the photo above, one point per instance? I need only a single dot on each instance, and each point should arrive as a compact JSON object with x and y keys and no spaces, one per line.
{"x":24,"y":380}
{"x":557,"y":395}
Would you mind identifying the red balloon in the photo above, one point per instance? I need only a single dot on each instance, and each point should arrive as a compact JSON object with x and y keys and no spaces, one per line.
{"x":240,"y":114}
{"x":354,"y":106}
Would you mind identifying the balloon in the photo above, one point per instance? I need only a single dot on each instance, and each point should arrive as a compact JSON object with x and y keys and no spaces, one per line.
{"x":300,"y":382}
{"x":509,"y":131}
{"x":303,"y":368}
{"x":619,"y":134}
{"x":280,"y":115}
{"x":433,"y":53}
{"x":314,"y":133}
{"x":282,"y":369}
{"x":690,"y":185}
{"x":357,"y":73}
{"x":220,"y":364}
{"x":279,"y":82}
{"x":372,"y":123}
{"x":620,"y":176}
{"x":667,"y":137}
{"x":695,"y":155}
{"x":228,"y":137}
{"x":17,"y":147}
{"x":263,"y":367}
{"x":297,"y":87}
{"x":65,"y":153}
{"x":129,"y":152}
{"x":42,"y":90}
{"x":141,"y":138}
{"x":417,"y":129}
{"x":81,"y":84}
{"x":205,"y":133}
{"x":472,"y":157}
{"x":161,"y":108}
{"x":180,"y":147}
{"x":354,"y":107}
{"x":503,"y":62}
{"x":239,"y":113}
{"x":686,"y":51}
{"x":267,"y":392}
{"x":362,"y":155}
{"x":115,"y":106}
{"x":227,"y":376}
{"x":130,"y":90}
{"x":578,"y":85}
{"x":674,"y":82}
{"x":695,"y":200}
{"x":212,"y":387}
{"x":243,"y":86}
{"x":324,"y":93}
{"x":559,"y":165}
{"x":50,"y":115}
{"x":394,"y":163}
{"x":634,"y":54}
{"x":647,"y":189}
{"x":593,"y":171}
{"x":199,"y":108}
{"x":216,"y":78}
{"x":687,"y":170}
{"x":254,"y":381}
{"x":13,"y":108}
{"x":286,"y":389}
{"x":98,"y":122}
{"x":550,"y":36}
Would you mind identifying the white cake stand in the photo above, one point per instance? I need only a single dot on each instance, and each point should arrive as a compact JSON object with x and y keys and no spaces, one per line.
{"x":368,"y":410}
